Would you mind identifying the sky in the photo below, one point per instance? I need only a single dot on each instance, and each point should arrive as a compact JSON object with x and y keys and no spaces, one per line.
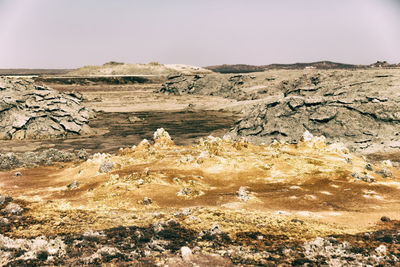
{"x":73,"y":33}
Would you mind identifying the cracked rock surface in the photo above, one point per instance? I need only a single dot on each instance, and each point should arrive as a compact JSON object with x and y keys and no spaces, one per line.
{"x":228,"y":86}
{"x":363,"y":115}
{"x":30,"y":111}
{"x":360,"y":108}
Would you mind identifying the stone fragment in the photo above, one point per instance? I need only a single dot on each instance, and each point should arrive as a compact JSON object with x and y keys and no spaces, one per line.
{"x":295,"y":102}
{"x":4,"y":221}
{"x":147,"y":201}
{"x":134,"y":119}
{"x":82,"y":154}
{"x":106,"y":166}
{"x":385,"y":219}
{"x":73,"y":185}
{"x":13,"y":208}
{"x":186,"y":253}
{"x":323,"y":114}
{"x":242,"y":194}
{"x":368,"y":167}
{"x":70,"y":126}
{"x":187,"y":191}
{"x":381,"y":250}
{"x":2,"y":200}
{"x":385,"y":173}
{"x":20,"y":120}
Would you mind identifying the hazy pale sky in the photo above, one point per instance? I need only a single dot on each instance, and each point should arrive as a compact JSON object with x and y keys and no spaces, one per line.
{"x":72,"y":33}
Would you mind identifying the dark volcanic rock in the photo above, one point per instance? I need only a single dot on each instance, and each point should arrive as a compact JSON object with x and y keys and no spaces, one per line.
{"x":29,"y":111}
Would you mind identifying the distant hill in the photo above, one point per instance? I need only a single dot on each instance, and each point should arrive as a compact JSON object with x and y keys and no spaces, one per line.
{"x":152,"y":68}
{"x":316,"y":65}
{"x":4,"y":72}
{"x":243,"y":68}
{"x":384,"y":64}
{"x":237,"y":68}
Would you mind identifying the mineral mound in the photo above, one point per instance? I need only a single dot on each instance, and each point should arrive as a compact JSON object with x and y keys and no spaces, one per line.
{"x":30,"y":111}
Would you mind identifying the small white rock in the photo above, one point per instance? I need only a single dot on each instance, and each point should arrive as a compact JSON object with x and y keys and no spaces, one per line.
{"x":14,"y":209}
{"x":186,"y":253}
{"x":388,"y":163}
{"x":381,"y":250}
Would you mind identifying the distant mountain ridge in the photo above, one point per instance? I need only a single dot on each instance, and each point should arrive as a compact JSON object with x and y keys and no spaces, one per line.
{"x":154,"y":68}
{"x":244,"y":68}
{"x":27,"y":72}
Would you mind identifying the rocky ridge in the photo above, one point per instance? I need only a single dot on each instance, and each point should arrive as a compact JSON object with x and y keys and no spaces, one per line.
{"x":359,"y":108}
{"x":357,"y":114}
{"x":229,"y":86}
{"x":30,"y":111}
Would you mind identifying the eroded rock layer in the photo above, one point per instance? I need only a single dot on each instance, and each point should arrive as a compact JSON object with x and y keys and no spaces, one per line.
{"x":30,"y":111}
{"x":358,"y":108}
{"x":229,"y":86}
{"x":363,"y":115}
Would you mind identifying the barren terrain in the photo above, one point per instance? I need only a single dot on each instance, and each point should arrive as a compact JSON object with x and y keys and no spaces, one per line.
{"x":184,"y":198}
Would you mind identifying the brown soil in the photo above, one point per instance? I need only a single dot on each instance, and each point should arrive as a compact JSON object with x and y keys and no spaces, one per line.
{"x":114,"y":130}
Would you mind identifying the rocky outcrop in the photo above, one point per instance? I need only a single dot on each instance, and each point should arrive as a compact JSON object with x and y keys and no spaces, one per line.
{"x":47,"y":157}
{"x":30,"y":111}
{"x":355,"y":114}
{"x":229,"y":86}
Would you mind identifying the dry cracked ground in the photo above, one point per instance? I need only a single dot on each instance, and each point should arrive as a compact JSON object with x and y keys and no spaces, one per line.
{"x":212,"y":201}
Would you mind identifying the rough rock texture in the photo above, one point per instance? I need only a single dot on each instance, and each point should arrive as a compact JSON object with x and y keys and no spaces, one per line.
{"x":106,"y":167}
{"x":363,"y":114}
{"x":12,"y":160}
{"x":29,"y":111}
{"x":229,"y":86}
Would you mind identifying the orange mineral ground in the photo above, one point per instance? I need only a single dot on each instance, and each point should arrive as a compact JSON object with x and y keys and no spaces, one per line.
{"x":299,"y":191}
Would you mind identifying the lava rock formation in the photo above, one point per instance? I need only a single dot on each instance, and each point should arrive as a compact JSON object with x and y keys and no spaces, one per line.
{"x":30,"y":111}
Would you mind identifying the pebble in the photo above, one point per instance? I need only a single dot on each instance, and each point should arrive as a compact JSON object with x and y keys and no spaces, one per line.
{"x":186,"y":253}
{"x":106,"y":166}
{"x":381,"y":250}
{"x":147,"y":201}
{"x":13,"y":208}
{"x":368,"y":167}
{"x":73,"y":185}
{"x":2,"y":200}
{"x":385,"y":173}
{"x":4,"y":222}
